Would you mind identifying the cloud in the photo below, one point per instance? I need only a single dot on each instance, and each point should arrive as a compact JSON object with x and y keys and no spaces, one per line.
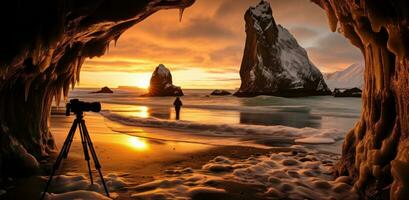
{"x":229,"y":54}
{"x":334,"y":52}
{"x":304,"y":33}
{"x":211,"y":38}
{"x":203,"y":28}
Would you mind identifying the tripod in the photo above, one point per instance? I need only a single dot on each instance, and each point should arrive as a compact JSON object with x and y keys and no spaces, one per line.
{"x":86,"y":143}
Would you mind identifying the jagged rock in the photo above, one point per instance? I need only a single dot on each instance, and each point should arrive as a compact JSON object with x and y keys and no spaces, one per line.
{"x":220,"y":93}
{"x":353,"y":92}
{"x":375,"y":153}
{"x":161,"y":83}
{"x":45,"y":44}
{"x":104,"y":90}
{"x":273,"y":62}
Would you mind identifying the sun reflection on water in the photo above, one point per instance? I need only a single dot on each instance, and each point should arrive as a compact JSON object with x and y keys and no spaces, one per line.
{"x":138,"y":143}
{"x":142,"y":111}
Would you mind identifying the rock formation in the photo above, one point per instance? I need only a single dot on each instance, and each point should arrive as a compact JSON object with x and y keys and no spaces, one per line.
{"x":273,"y":62}
{"x":376,"y":152}
{"x":104,"y":90}
{"x":352,"y":92}
{"x":220,"y":93}
{"x":352,"y":76}
{"x":161,"y":84}
{"x":45,"y":44}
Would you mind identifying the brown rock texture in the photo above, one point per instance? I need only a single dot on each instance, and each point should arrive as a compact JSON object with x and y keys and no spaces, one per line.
{"x":376,"y":151}
{"x":44,"y":46}
{"x":161,"y":84}
{"x":273,"y":61}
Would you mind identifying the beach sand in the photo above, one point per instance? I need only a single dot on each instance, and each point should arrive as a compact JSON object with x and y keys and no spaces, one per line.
{"x":164,"y":164}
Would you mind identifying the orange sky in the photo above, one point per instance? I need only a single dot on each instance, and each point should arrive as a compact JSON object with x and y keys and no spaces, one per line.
{"x":205,"y":49}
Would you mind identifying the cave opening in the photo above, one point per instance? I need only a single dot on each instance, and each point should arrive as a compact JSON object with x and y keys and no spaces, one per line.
{"x":43,"y":57}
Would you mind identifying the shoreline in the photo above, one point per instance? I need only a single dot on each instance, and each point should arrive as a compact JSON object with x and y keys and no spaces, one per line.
{"x":130,"y":162}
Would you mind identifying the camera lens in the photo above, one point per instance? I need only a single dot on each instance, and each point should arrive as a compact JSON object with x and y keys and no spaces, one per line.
{"x":77,"y":106}
{"x":95,"y":106}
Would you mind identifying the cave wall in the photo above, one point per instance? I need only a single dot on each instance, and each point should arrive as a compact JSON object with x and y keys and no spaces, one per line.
{"x":44,"y":44}
{"x":376,"y":151}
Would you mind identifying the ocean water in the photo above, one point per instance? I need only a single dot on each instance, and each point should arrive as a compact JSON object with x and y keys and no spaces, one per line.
{"x":324,"y":118}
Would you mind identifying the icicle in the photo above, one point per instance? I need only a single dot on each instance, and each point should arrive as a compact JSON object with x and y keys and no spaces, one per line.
{"x":116,"y":39}
{"x":27,"y":85}
{"x":181,"y":10}
{"x":47,"y":60}
{"x":73,"y":82}
{"x":57,"y":97}
{"x":332,"y":18}
{"x":66,"y":89}
{"x":81,"y":60}
{"x":73,"y":68}
{"x":3,"y":71}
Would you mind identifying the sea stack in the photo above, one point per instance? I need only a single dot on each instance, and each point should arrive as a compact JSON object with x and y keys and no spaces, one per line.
{"x":161,"y":83}
{"x":220,"y":93}
{"x":105,"y":90}
{"x":273,"y":61}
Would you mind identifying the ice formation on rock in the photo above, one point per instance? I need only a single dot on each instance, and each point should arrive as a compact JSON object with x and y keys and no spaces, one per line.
{"x":376,"y":151}
{"x":161,"y":83}
{"x":273,"y":62}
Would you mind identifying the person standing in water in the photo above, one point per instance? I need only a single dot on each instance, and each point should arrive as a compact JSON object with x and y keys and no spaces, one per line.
{"x":178,"y":104}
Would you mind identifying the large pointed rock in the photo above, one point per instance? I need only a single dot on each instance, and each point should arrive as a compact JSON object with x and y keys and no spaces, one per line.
{"x":273,"y":62}
{"x":161,"y":83}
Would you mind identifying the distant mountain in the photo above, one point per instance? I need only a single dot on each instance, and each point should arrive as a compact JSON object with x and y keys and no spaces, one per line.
{"x":273,"y":61}
{"x":352,"y":76}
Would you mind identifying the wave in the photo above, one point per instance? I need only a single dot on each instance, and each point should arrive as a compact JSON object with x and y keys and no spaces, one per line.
{"x":301,"y":135}
{"x":287,"y":108}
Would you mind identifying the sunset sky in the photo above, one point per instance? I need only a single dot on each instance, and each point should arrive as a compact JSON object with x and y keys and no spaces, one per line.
{"x":205,"y":49}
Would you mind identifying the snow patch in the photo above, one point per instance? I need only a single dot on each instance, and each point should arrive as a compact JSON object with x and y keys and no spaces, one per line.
{"x":78,"y":195}
{"x":352,"y":76}
{"x":77,"y":186}
{"x":298,"y":173}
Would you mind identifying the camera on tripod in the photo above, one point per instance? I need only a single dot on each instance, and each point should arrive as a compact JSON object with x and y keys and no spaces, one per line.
{"x":78,"y":107}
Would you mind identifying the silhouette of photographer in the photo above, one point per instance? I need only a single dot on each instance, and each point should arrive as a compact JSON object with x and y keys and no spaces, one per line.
{"x":178,"y":104}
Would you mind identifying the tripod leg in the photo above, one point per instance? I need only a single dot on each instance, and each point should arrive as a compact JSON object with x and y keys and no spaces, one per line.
{"x":86,"y":154}
{"x":61,"y":155}
{"x":94,"y":155}
{"x":68,"y":146}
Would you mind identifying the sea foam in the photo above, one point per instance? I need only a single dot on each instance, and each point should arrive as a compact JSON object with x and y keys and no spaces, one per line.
{"x":300,"y":135}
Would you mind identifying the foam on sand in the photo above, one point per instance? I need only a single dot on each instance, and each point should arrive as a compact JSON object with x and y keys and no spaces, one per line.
{"x":78,"y":186}
{"x":298,"y":174}
{"x":302,"y":135}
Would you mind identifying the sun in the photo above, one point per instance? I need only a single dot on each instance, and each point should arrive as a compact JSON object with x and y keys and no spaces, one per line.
{"x":142,"y":82}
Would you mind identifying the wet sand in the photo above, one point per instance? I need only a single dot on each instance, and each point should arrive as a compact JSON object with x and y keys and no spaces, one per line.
{"x":147,"y":155}
{"x":136,"y":159}
{"x":151,"y":163}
